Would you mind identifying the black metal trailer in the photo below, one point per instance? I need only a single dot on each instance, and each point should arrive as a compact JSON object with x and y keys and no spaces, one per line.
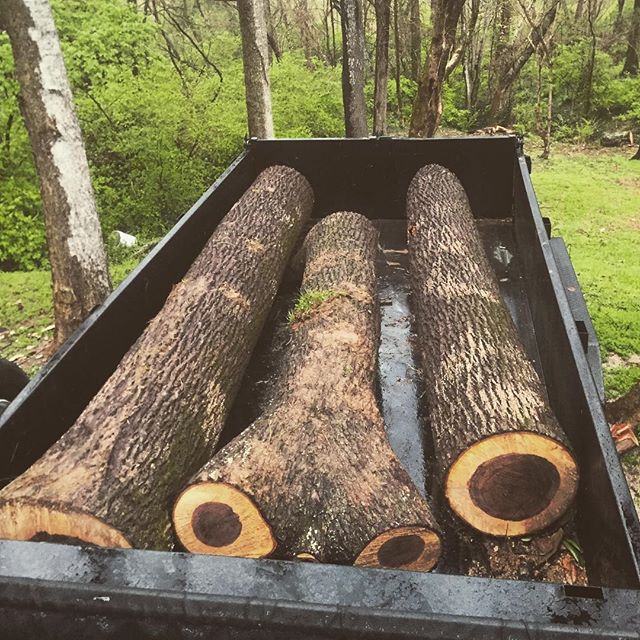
{"x":57,"y":591}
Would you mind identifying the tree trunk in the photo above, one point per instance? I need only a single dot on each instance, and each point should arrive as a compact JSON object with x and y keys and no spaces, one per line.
{"x":272,"y":39}
{"x":108,"y":481}
{"x":305,"y":22}
{"x":591,"y":19}
{"x":631,"y":60}
{"x":334,"y":51}
{"x":315,"y":476}
{"x":427,"y":108}
{"x":74,"y":238}
{"x":500,"y":58}
{"x":355,"y":108}
{"x":383,"y":16}
{"x":511,"y":58}
{"x":255,"y":56}
{"x":472,"y":55}
{"x":415,"y":39}
{"x":626,"y":408}
{"x":618,"y":22}
{"x":396,"y":41}
{"x":546,"y":136}
{"x":504,"y":461}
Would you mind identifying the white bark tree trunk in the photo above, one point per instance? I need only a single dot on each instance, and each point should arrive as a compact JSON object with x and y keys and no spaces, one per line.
{"x":255,"y":54}
{"x":76,"y":250}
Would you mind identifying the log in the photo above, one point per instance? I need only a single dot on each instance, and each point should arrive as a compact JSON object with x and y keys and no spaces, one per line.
{"x":110,"y":480}
{"x":314,"y":477}
{"x":503,"y":461}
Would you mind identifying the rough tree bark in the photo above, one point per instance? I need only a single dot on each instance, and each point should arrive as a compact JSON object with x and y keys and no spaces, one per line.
{"x":632,"y":57}
{"x":78,"y":260}
{"x":427,"y":108}
{"x":618,"y":22}
{"x":472,"y":54}
{"x":272,"y":38}
{"x":504,"y":461}
{"x":108,"y":481}
{"x":509,"y":61}
{"x":355,"y":108}
{"x":255,"y":56}
{"x":383,"y":18}
{"x":626,"y":408}
{"x":396,"y":44}
{"x":315,"y":476}
{"x":415,"y":39}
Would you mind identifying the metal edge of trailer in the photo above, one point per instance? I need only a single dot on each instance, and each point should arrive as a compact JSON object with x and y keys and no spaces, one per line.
{"x":599,"y":460}
{"x":102,"y":588}
{"x":107,"y":593}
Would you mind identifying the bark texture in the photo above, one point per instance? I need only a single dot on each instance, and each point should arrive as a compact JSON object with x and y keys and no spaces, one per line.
{"x":632,"y":56}
{"x":415,"y":39}
{"x":427,"y":108}
{"x":500,"y":452}
{"x":74,"y":238}
{"x":626,"y":408}
{"x":255,"y":56}
{"x":355,"y":106}
{"x":111,"y":478}
{"x":383,"y":19}
{"x":317,"y":463}
{"x":510,"y":57}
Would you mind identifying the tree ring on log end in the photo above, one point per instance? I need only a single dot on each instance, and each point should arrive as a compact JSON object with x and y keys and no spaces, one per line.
{"x":411,"y":548}
{"x":512,"y":484}
{"x":503,"y":486}
{"x":21,"y":520}
{"x":216,"y":518}
{"x":216,"y":524}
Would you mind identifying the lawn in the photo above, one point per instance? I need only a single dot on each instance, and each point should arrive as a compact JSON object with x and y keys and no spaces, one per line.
{"x":26,"y":316}
{"x":592,"y":198}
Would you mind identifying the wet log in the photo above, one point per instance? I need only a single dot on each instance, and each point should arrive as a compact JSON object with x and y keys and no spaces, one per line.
{"x":504,"y":462}
{"x":314,"y":477}
{"x":110,"y":480}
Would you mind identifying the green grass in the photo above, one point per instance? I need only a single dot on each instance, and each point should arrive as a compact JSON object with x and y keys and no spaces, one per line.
{"x":26,"y":316}
{"x":593,"y":200}
{"x":308,"y":301}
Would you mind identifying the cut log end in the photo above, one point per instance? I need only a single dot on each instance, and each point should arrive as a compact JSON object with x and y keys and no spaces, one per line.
{"x":218,"y":519}
{"x":38,"y":523}
{"x":512,"y":484}
{"x":411,"y":548}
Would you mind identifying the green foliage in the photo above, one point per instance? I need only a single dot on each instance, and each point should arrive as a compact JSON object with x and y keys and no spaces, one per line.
{"x":579,"y":114}
{"x":454,"y":114}
{"x":22,"y":237}
{"x":155,"y":139}
{"x":307,"y":98}
{"x":574,"y":549}
{"x":310,"y":300}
